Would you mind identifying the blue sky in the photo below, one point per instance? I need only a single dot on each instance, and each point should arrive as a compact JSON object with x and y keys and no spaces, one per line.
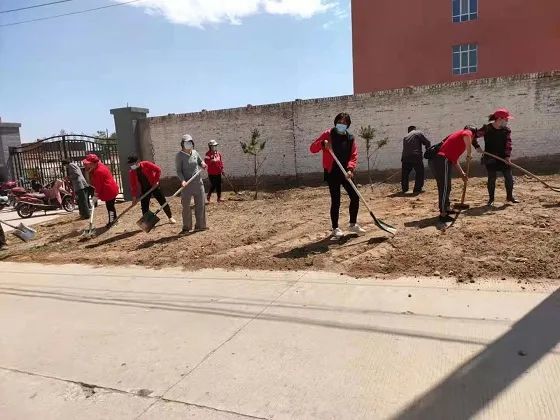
{"x":67,"y":73}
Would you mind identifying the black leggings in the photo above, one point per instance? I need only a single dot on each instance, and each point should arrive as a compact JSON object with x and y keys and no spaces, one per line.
{"x":215,"y":185}
{"x":492,"y":175}
{"x":111,"y":210}
{"x":158,"y":195}
{"x":335,"y":181}
{"x":442,"y":171}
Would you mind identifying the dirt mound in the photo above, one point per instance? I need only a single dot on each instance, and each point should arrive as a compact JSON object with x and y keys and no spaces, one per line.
{"x":289,"y":231}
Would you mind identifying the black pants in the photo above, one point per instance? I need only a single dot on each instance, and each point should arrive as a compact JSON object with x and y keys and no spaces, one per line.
{"x":83,"y":203}
{"x":492,"y":175}
{"x":2,"y":236}
{"x":441,"y":168}
{"x":111,"y":210}
{"x":335,"y":181}
{"x":407,"y":167}
{"x":215,"y":185}
{"x":158,"y":195}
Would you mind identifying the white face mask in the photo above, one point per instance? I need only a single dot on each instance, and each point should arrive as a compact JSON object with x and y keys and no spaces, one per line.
{"x":189,"y":146}
{"x":134,"y":167}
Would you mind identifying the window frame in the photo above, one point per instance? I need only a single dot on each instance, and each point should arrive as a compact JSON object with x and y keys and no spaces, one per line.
{"x":458,"y":57}
{"x":459,"y":15}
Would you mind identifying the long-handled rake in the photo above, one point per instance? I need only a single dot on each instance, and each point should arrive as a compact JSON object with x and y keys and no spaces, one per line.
{"x":25,"y":233}
{"x":148,"y":220}
{"x":379,"y":223}
{"x":525,"y":171}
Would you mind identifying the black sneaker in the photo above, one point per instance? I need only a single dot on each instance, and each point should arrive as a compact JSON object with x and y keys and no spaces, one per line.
{"x":450,"y":211}
{"x":490,"y":202}
{"x":184,"y":231}
{"x":513,"y":200}
{"x":445,"y":219}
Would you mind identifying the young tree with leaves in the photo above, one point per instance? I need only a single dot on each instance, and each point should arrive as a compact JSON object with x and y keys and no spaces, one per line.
{"x":368,"y":134}
{"x":255,"y":148}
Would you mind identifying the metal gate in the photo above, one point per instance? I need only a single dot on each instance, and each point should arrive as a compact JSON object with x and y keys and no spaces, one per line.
{"x":41,"y":161}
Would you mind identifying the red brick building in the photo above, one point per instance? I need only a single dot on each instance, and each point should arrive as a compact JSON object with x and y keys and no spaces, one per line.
{"x":399,"y":43}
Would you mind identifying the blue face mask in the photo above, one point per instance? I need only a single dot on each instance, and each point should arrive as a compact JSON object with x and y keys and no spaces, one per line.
{"x":341,"y":128}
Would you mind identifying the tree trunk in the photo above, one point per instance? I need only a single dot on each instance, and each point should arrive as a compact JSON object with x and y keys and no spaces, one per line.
{"x":256,"y":180}
{"x":368,"y":167}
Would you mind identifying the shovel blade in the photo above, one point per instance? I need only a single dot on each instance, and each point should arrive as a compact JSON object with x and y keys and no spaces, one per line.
{"x":25,"y":233}
{"x":148,"y":221}
{"x":383,"y":226}
{"x":24,"y":236}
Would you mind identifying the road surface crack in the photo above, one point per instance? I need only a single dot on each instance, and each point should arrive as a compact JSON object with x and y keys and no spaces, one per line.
{"x":90,"y":390}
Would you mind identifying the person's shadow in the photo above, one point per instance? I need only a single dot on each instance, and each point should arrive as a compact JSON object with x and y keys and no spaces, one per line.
{"x":478,"y":381}
{"x":319,"y":247}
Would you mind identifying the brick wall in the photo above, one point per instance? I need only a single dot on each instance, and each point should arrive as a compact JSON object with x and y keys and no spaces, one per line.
{"x":290,"y":127}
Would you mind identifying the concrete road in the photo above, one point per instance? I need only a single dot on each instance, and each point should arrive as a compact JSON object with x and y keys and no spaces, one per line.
{"x":10,"y":216}
{"x":132,"y":343}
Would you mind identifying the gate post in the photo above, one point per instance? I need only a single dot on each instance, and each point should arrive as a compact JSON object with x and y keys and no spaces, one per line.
{"x":9,"y":137}
{"x":127,"y":141}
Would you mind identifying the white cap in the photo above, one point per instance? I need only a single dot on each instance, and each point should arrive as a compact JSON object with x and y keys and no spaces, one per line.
{"x":212,"y":143}
{"x":186,"y":138}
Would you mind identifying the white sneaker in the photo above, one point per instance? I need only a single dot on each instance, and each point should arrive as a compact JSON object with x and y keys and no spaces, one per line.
{"x":337,"y":233}
{"x":356,"y":228}
{"x":172,"y":220}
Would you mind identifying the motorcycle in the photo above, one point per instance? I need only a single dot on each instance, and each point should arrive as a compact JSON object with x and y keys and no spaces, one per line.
{"x":46,"y":200}
{"x":4,"y":202}
{"x":11,"y":190}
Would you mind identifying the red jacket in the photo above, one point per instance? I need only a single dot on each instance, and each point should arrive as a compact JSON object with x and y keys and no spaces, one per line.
{"x":151,"y":171}
{"x":102,"y":180}
{"x":215,"y":163}
{"x":328,"y":161}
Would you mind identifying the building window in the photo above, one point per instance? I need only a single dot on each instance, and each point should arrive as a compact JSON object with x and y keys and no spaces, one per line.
{"x":465,"y":59}
{"x":464,"y":10}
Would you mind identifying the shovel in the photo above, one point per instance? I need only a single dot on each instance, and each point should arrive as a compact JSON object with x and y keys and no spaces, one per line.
{"x":148,"y":220}
{"x":90,"y":231}
{"x":462,"y":205}
{"x":25,"y":233}
{"x":525,"y":171}
{"x":379,"y":223}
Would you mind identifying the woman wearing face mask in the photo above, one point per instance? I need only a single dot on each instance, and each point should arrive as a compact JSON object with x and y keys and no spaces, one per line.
{"x":215,"y":169}
{"x":187,"y":163}
{"x":342,"y":143}
{"x":143,"y":176}
{"x":497,"y":140}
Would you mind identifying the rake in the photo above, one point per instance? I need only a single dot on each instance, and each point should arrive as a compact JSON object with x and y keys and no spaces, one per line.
{"x":379,"y":223}
{"x":525,"y":171}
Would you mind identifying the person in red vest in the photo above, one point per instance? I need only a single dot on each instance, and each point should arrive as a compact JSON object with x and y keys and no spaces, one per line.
{"x":143,"y":176}
{"x":215,"y":164}
{"x":447,"y":158}
{"x":106,"y":188}
{"x":342,"y":143}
